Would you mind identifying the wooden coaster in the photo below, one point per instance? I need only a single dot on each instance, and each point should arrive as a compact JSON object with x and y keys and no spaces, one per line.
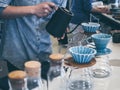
{"x":70,"y":62}
{"x":91,"y":33}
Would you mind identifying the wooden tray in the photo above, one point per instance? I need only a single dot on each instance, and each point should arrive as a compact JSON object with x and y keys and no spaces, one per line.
{"x":70,"y":62}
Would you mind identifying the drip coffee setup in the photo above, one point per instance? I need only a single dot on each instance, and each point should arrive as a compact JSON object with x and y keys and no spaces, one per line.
{"x":100,"y":68}
{"x":79,"y":75}
{"x":88,"y":59}
{"x":84,"y":57}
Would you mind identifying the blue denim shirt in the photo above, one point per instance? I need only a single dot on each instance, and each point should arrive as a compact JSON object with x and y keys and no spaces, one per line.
{"x":81,"y":10}
{"x":25,"y":38}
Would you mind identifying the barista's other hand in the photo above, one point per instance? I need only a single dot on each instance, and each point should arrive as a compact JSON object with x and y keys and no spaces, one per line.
{"x":67,"y":30}
{"x":61,"y":37}
{"x":44,"y":9}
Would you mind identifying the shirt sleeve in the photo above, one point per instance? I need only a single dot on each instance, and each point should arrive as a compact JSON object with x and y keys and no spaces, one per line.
{"x":64,"y":3}
{"x":88,"y":5}
{"x":4,"y":4}
{"x":61,"y":3}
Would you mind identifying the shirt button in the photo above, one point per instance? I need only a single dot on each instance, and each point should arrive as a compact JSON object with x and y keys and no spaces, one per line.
{"x":38,"y":39}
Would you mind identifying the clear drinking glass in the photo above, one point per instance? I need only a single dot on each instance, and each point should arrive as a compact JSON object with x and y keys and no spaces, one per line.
{"x":33,"y":70}
{"x":56,"y":73}
{"x":17,"y":80}
{"x":102,"y":68}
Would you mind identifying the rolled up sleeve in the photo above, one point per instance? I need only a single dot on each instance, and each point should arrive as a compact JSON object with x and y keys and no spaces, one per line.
{"x":60,"y":2}
{"x":4,"y":4}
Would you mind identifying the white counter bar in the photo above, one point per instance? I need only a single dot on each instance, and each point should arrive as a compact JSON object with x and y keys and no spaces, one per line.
{"x":113,"y":81}
{"x":115,"y":47}
{"x":110,"y":83}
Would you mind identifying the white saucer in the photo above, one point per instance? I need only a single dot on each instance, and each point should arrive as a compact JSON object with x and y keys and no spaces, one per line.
{"x":101,"y":52}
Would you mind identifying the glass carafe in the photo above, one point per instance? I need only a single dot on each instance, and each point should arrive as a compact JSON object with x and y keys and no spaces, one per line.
{"x":33,"y":70}
{"x":56,"y":80}
{"x":102,"y":68}
{"x":79,"y":76}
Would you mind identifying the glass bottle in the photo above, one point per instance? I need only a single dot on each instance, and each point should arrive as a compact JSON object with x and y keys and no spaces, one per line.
{"x":17,"y":80}
{"x":102,"y":67}
{"x":56,"y":79}
{"x":33,"y":70}
{"x":79,"y":76}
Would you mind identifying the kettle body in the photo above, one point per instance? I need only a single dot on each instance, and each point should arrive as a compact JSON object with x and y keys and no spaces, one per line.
{"x":59,"y":22}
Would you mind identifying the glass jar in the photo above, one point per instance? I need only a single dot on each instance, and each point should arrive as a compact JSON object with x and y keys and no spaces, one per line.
{"x":102,"y":68}
{"x":17,"y":80}
{"x":79,"y":76}
{"x":33,"y":70}
{"x":56,"y":80}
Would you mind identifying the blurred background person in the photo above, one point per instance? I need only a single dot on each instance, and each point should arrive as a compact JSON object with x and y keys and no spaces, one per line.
{"x":82,"y":10}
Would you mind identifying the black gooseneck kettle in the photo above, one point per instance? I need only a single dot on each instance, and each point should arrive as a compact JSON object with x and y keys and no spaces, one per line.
{"x":59,"y":22}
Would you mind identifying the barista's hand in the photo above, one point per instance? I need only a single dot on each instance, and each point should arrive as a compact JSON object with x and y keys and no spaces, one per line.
{"x":100,"y":9}
{"x":44,"y":9}
{"x":61,"y":37}
{"x":103,"y":9}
